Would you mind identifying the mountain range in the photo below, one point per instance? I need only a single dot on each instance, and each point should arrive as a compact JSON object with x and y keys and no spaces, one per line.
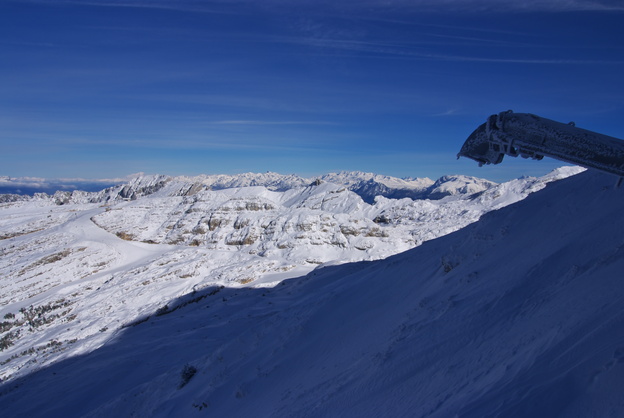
{"x":514,"y":315}
{"x":366,"y":185}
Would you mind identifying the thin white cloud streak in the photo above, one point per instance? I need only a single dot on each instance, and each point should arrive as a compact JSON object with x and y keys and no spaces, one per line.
{"x":269,"y":123}
{"x":449,"y":112}
{"x":462,"y":40}
{"x":389,"y":51}
{"x":172,"y":139}
{"x":478,"y":6}
{"x":495,"y":6}
{"x":29,"y":44}
{"x":181,"y":5}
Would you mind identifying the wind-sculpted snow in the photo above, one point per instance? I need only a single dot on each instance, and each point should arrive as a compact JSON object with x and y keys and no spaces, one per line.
{"x":517,"y":315}
{"x":72,"y":274}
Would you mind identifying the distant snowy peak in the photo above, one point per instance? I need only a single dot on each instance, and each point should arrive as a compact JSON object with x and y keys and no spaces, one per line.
{"x":458,"y":184}
{"x":135,"y":188}
{"x":142,"y":186}
{"x":270,"y":180}
{"x":351,"y":178}
{"x":168,"y":186}
{"x":370,"y":185}
{"x":366,"y":185}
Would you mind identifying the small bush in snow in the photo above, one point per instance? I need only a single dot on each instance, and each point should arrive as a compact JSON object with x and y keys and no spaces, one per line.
{"x":7,"y":340}
{"x":187,"y":374}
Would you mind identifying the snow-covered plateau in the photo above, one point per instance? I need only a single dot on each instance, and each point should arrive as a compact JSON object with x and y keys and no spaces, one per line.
{"x":167,"y":297}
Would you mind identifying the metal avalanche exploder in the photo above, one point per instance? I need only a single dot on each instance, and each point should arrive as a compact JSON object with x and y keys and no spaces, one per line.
{"x":531,"y":136}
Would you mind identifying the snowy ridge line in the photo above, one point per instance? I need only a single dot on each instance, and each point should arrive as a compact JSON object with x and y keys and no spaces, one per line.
{"x":366,"y":185}
{"x":73,"y":274}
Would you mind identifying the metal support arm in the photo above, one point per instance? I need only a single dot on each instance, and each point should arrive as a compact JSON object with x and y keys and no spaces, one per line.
{"x":531,"y":136}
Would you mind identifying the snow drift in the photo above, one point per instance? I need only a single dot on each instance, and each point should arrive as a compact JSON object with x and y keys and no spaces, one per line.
{"x":517,"y":315}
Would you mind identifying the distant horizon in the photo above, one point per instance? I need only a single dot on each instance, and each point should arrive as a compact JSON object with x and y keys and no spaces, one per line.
{"x":510,"y":169}
{"x":28,"y":186}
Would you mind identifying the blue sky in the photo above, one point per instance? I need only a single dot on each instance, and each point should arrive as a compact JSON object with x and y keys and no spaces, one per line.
{"x":102,"y":89}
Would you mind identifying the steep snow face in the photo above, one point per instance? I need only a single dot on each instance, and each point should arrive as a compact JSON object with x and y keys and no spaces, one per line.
{"x":73,"y":274}
{"x":516,"y":315}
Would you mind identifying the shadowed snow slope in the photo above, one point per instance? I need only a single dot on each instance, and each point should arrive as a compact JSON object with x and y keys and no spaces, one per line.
{"x":517,"y":315}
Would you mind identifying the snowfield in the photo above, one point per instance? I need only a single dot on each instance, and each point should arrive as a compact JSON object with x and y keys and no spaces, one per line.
{"x":518,"y":314}
{"x":78,"y":266}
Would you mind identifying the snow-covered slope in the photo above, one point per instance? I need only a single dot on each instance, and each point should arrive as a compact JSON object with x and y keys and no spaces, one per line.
{"x":517,"y":315}
{"x":72,"y":274}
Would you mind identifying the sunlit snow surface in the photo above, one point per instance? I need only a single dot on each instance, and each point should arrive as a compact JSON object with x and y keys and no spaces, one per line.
{"x":519,"y":314}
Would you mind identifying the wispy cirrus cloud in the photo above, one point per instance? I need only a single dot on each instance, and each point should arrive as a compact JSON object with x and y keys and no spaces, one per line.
{"x":409,"y":51}
{"x":269,"y":122}
{"x":182,"y":5}
{"x":505,"y":5}
{"x":217,"y":6}
{"x":486,"y":5}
